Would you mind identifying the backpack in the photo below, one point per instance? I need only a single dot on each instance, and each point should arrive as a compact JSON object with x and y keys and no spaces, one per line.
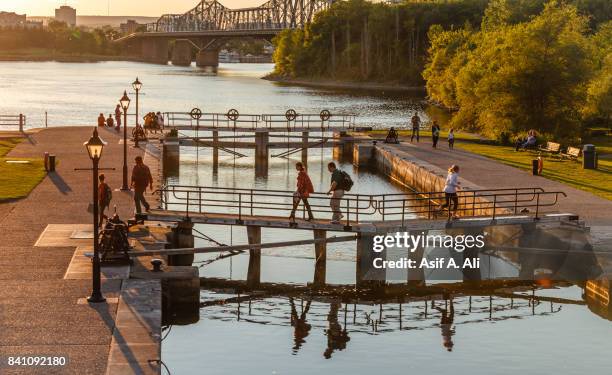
{"x":347,"y":182}
{"x":108,"y":193}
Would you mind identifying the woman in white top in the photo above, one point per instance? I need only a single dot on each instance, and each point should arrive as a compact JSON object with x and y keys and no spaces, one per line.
{"x":450,"y":190}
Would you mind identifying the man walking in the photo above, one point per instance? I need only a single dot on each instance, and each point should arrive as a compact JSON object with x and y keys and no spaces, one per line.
{"x":118,"y":117}
{"x":416,"y":125}
{"x":141,"y":178}
{"x":337,"y":192}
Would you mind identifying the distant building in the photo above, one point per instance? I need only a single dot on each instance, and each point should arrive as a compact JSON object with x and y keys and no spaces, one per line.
{"x":11,"y":19}
{"x":130,"y":27}
{"x":33,"y":24}
{"x":66,"y":14}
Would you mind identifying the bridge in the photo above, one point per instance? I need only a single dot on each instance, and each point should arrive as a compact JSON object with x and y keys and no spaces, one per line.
{"x":205,"y":29}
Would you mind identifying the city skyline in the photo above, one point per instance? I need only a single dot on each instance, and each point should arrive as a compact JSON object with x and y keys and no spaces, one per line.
{"x":151,"y":8}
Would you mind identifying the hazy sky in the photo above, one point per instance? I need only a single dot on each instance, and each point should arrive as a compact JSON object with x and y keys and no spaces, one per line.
{"x":117,"y":7}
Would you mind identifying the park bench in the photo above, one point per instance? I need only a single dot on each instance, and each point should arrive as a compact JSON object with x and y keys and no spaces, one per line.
{"x":572,"y":153}
{"x":551,"y":147}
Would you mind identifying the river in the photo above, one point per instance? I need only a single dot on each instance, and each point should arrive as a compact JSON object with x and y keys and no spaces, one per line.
{"x":296,"y":335}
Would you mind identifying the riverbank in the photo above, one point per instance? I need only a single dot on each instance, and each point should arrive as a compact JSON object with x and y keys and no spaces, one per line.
{"x":352,"y":85}
{"x":61,"y":57}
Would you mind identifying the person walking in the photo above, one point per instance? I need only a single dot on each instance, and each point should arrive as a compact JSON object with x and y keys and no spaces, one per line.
{"x":435,"y":133}
{"x":109,"y":121}
{"x":160,"y":121}
{"x":304,"y":189}
{"x":450,"y":191}
{"x":105,"y":195}
{"x":141,"y":178}
{"x":416,"y":126}
{"x":118,"y":117}
{"x":101,"y":120}
{"x":337,"y":192}
{"x":451,"y":139}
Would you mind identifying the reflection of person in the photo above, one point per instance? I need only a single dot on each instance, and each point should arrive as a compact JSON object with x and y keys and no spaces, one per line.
{"x":336,"y":336}
{"x":300,"y":327}
{"x":446,"y":324}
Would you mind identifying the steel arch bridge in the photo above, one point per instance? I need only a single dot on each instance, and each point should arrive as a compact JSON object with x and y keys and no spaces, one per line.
{"x":212,"y":16}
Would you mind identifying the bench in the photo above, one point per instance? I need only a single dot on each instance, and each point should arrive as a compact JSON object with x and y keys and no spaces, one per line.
{"x":572,"y":153}
{"x":551,"y":147}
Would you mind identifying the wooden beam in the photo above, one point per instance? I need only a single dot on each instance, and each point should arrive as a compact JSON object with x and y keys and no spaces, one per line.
{"x":217,"y":249}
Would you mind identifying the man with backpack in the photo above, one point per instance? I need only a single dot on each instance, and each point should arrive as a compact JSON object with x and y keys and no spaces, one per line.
{"x":105,"y":195}
{"x":340,"y":182}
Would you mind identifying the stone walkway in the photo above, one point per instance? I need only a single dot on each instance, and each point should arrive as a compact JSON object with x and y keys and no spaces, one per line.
{"x":41,"y":313}
{"x":489,"y":174}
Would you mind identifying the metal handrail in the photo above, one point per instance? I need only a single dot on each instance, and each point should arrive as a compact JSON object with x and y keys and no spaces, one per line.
{"x":397,"y":207}
{"x":255,"y":121}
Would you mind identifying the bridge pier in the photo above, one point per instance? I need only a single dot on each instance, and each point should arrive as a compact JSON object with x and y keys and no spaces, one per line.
{"x":183,"y":239}
{"x":254,"y":271}
{"x":208,"y":59}
{"x":366,"y":275}
{"x":305,"y":148}
{"x":261,"y":154}
{"x":171,"y":156}
{"x":320,"y":258}
{"x":344,"y":146}
{"x":215,"y":151}
{"x":182,"y":53}
{"x":155,"y":51}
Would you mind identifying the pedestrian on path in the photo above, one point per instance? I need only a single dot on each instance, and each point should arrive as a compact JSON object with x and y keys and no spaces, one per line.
{"x":109,"y":121}
{"x":451,"y":139}
{"x":101,"y":120}
{"x":304,"y":189}
{"x":105,"y":195}
{"x":450,"y":191}
{"x":141,"y":178}
{"x":118,"y":117}
{"x":336,"y":189}
{"x":435,"y":133}
{"x":416,"y":125}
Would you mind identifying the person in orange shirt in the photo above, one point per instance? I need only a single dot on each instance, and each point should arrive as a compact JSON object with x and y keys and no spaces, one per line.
{"x":304,"y":189}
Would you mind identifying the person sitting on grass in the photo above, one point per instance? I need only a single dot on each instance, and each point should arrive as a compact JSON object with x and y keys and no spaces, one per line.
{"x":530,"y":142}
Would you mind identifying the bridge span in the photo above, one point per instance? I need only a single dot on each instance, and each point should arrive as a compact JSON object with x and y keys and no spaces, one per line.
{"x":207,"y":27}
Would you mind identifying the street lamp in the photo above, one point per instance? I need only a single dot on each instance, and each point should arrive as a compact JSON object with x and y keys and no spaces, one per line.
{"x":95,"y":146}
{"x":125,"y":104}
{"x":137,"y":85}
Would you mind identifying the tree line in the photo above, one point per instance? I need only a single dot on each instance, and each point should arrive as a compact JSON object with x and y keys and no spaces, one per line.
{"x":503,"y":66}
{"x":60,"y":38}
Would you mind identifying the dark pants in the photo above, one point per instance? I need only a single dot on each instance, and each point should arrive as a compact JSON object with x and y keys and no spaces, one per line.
{"x":415,"y":131}
{"x":435,"y":140}
{"x":451,"y":143}
{"x":451,"y":197}
{"x":296,"y":202}
{"x":138,"y":199}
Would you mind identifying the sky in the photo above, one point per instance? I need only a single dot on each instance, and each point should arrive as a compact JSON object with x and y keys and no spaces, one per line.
{"x":151,"y":8}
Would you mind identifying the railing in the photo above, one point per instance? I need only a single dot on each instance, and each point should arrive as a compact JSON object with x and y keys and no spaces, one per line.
{"x":13,"y":120}
{"x":232,"y":119}
{"x":356,"y":208}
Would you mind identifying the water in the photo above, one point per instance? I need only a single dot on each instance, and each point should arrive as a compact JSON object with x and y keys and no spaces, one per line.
{"x":75,"y":93}
{"x":489,"y":335}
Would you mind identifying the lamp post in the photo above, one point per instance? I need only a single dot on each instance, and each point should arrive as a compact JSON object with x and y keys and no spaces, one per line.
{"x":125,"y":104}
{"x":95,"y":146}
{"x":137,"y":85}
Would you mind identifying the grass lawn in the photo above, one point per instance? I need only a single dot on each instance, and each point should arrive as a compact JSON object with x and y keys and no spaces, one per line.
{"x":598,"y":182}
{"x":17,"y":180}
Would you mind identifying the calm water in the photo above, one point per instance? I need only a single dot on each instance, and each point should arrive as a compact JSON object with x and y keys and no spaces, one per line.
{"x":74,"y":94}
{"x":486,"y":335}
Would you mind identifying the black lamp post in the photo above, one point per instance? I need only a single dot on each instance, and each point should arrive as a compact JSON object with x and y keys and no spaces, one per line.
{"x":125,"y":104}
{"x":95,"y":146}
{"x":137,"y":85}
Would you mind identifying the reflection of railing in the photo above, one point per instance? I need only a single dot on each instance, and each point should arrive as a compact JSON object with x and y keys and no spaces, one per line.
{"x":231,"y":120}
{"x":13,"y":120}
{"x":355,"y":207}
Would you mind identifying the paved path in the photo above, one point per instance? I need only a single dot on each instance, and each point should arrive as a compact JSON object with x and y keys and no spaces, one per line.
{"x":490,"y":174}
{"x":40,"y":313}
